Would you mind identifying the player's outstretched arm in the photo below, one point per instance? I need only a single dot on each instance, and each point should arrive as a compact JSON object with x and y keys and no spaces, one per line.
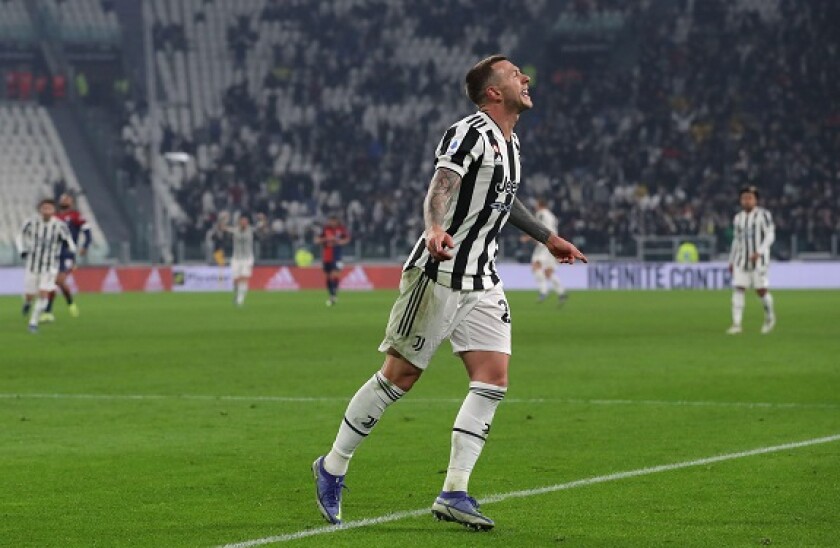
{"x":23,"y":238}
{"x":88,"y":238}
{"x":445,"y":184}
{"x":524,"y":220}
{"x":68,"y":238}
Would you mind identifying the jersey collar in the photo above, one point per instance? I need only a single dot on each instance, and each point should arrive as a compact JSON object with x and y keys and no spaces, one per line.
{"x":495,"y":126}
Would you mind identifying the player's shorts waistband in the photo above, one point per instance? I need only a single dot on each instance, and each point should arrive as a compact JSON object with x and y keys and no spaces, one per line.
{"x":461,"y":281}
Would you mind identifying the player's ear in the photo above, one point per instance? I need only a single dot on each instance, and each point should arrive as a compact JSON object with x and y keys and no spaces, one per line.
{"x":493,"y":94}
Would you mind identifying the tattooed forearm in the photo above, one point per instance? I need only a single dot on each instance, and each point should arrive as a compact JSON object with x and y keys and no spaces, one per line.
{"x":444,"y":185}
{"x":525,"y":221}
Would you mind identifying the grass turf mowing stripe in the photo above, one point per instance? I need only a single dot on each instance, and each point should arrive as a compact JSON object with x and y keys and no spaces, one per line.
{"x":304,"y":399}
{"x":387,"y":518}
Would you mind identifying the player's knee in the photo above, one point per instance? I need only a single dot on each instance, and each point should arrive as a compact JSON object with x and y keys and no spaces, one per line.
{"x":761,"y":292}
{"x":399,"y":371}
{"x":496,"y":380}
{"x":487,"y":367}
{"x":499,"y":378}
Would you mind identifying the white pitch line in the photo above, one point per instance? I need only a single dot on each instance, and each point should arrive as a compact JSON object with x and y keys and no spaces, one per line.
{"x":303,"y":399}
{"x":534,"y":492}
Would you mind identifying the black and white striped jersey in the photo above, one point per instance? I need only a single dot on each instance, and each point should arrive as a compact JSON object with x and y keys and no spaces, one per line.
{"x":474,"y":148}
{"x":243,"y":243}
{"x":753,"y":232}
{"x":41,"y":241}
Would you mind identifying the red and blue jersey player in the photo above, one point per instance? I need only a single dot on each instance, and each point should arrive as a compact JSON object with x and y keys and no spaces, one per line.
{"x":79,"y":229}
{"x":332,"y":238}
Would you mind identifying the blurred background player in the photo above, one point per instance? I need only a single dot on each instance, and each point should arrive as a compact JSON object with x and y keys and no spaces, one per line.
{"x":749,"y":259}
{"x":542,"y":261}
{"x":242,"y":262}
{"x":333,"y":236}
{"x":216,"y":240}
{"x":78,"y":226}
{"x":40,"y":243}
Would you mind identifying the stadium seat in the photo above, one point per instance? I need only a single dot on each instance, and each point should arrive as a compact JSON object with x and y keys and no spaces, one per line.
{"x":32,"y":158}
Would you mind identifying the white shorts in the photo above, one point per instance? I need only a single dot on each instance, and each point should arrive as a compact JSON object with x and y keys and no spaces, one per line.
{"x":427,"y":313}
{"x":750,"y":278}
{"x":34,"y":283}
{"x":241,"y":268}
{"x":543,"y":258}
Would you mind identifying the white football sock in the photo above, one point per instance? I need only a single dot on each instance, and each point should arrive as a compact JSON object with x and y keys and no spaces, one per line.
{"x":241,"y":291}
{"x":363,"y":412}
{"x":542,"y":284}
{"x":769,"y":313}
{"x":472,"y":425}
{"x":557,"y":285}
{"x":39,"y":306}
{"x":737,"y":307}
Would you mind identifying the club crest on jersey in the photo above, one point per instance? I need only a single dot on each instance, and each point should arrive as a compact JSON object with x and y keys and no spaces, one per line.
{"x":453,"y":146}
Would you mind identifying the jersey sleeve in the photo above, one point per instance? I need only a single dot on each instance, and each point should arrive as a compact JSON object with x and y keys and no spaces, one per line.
{"x":23,"y":237}
{"x":68,"y":238}
{"x":87,"y":234}
{"x":769,"y":232}
{"x":460,"y":146}
{"x":736,"y":240}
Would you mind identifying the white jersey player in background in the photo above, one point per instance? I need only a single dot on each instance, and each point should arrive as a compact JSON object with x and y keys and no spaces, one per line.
{"x":242,"y":261}
{"x":450,"y":289}
{"x":749,"y":259}
{"x":39,"y":244}
{"x":542,"y":261}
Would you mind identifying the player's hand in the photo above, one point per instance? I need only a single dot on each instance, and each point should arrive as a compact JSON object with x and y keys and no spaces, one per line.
{"x":83,"y":252}
{"x":754,"y":258}
{"x":731,"y":268}
{"x":437,"y":242}
{"x":564,"y":251}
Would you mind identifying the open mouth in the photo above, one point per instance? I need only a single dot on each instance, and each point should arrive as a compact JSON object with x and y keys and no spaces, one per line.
{"x":526,"y":93}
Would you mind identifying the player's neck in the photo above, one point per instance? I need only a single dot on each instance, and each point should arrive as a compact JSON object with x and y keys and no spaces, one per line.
{"x":503,"y":118}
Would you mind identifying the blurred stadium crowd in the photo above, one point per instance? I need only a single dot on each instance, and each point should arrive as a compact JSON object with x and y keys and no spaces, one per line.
{"x":293,"y":111}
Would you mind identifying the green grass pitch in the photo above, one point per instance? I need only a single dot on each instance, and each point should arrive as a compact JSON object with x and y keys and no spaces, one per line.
{"x":611,"y":382}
